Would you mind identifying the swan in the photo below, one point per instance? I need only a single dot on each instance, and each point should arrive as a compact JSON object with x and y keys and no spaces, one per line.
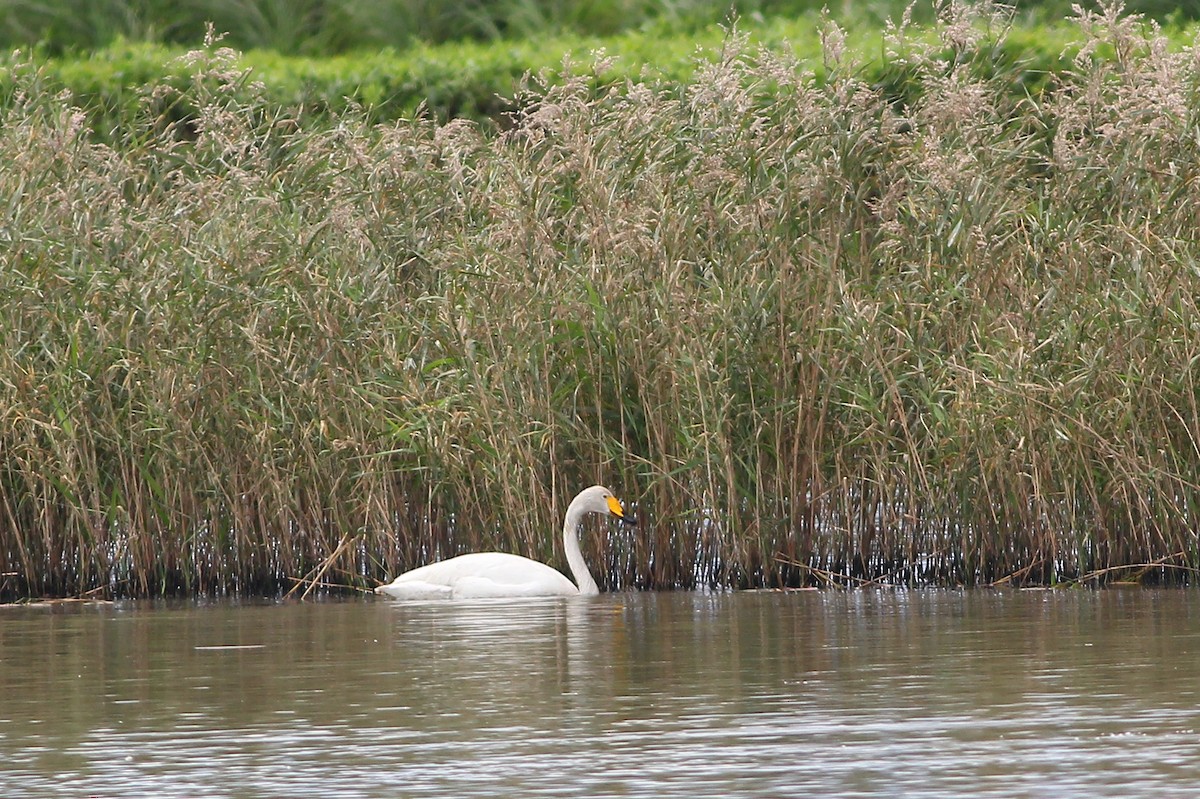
{"x":498,"y":574}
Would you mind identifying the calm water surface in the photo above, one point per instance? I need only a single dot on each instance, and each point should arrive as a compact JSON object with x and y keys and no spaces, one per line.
{"x":921,"y":694}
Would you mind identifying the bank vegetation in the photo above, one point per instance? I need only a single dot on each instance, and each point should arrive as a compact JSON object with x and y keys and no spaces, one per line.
{"x":932,"y":330}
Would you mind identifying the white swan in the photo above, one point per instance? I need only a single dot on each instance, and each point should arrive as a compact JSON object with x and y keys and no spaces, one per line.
{"x":498,"y":574}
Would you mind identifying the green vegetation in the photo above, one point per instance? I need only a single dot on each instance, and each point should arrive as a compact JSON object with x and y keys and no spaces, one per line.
{"x":927,"y":330}
{"x":327,"y":27}
{"x":321,"y":27}
{"x":469,"y":80}
{"x":324,"y":27}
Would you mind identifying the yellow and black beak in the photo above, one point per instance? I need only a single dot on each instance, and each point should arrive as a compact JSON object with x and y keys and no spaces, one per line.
{"x":614,"y":507}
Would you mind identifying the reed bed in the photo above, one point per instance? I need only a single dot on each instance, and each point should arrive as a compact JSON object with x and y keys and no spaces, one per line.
{"x":935,"y":332}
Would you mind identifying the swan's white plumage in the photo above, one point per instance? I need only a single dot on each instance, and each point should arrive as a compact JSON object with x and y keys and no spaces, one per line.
{"x":478,"y":575}
{"x":498,"y":574}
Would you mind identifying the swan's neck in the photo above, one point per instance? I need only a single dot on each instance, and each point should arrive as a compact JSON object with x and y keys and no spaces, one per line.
{"x":583,"y":578}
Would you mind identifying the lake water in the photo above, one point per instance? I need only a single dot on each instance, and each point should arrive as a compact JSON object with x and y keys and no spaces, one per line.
{"x":859,"y":694}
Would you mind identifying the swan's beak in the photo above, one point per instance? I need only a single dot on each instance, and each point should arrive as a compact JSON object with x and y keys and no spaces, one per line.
{"x":615,"y":508}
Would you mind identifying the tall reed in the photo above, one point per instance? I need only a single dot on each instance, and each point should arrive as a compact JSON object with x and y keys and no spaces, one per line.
{"x":815,"y":330}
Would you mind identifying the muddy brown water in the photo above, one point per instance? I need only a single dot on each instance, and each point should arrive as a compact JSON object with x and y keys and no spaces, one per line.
{"x":860,"y":694}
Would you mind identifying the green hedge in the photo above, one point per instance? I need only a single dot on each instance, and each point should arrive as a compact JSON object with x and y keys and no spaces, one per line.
{"x":467,"y":80}
{"x":322,"y":27}
{"x":325,"y":27}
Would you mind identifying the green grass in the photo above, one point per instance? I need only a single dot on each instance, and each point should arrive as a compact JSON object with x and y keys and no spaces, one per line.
{"x":935,"y":330}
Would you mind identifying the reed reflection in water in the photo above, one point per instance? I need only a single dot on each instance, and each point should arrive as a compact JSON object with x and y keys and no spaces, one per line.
{"x":925,"y":694}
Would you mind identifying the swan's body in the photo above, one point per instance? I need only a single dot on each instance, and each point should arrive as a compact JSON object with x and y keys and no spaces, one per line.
{"x":497,"y":574}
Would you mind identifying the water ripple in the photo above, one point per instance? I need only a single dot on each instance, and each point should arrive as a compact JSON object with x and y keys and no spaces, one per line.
{"x":935,"y":694}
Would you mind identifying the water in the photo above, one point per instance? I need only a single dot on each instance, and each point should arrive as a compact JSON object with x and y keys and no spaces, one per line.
{"x":871,"y":694}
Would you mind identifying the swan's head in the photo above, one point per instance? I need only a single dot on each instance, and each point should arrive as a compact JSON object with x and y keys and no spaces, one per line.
{"x":599,"y":499}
